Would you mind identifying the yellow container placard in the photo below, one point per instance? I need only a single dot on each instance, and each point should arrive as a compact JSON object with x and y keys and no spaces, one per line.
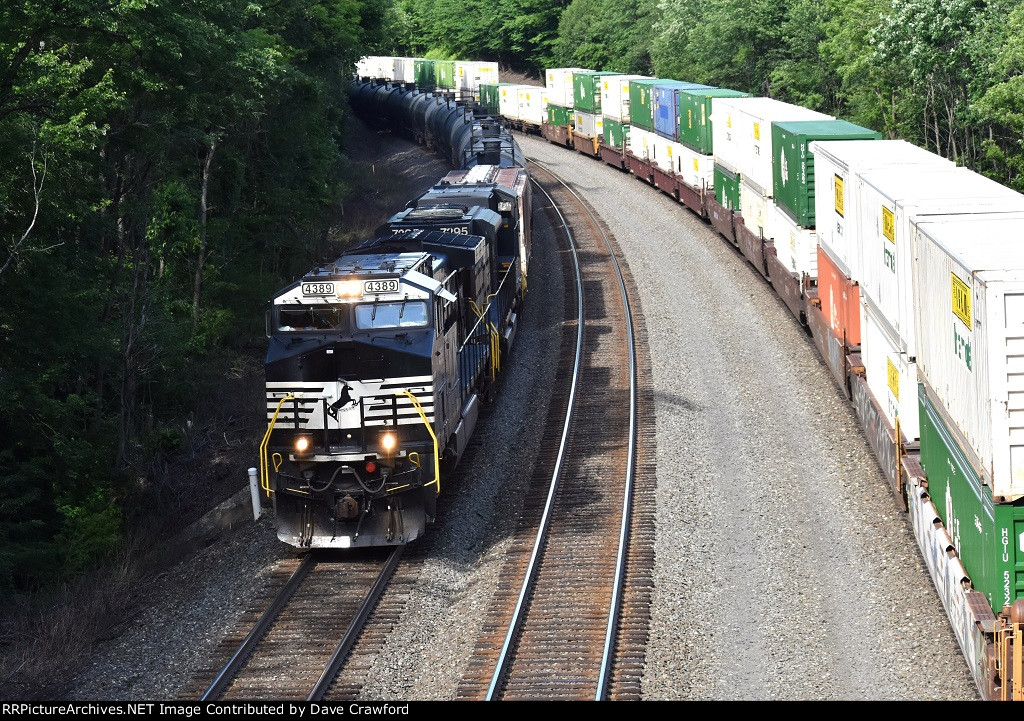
{"x":840,"y":198}
{"x":888,"y":224}
{"x":961,"y":295}
{"x":894,"y":379}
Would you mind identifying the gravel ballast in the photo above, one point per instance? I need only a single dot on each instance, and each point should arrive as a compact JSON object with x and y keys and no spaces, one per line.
{"x":783,"y":569}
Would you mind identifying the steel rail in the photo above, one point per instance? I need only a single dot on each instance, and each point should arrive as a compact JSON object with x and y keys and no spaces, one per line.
{"x":249,"y":643}
{"x":627,"y":501}
{"x":340,"y":654}
{"x":528,"y":578}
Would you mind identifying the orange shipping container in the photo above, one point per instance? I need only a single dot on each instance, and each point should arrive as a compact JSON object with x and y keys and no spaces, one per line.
{"x":840,"y":300}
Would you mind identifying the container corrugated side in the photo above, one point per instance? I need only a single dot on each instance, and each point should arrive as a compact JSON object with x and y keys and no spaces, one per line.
{"x":796,"y":247}
{"x":615,"y":96}
{"x":588,"y":124}
{"x":558,"y":115}
{"x":509,"y":105}
{"x":969,"y":289}
{"x":888,"y":201}
{"x":560,"y":86}
{"x":426,"y":74}
{"x":533,"y":104}
{"x":727,"y":188}
{"x":754,"y":209}
{"x":695,"y":108}
{"x":744,"y":140}
{"x":891,"y":375}
{"x":587,"y":91}
{"x":988,"y":536}
{"x":837,"y":163}
{"x":793,"y":169}
{"x":696,"y":169}
{"x":840,"y":299}
{"x":641,"y":142}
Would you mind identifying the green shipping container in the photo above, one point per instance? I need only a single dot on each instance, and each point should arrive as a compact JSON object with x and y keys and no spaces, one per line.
{"x":727,"y":188}
{"x":557,"y":115}
{"x":616,"y":134}
{"x":695,"y":116}
{"x":641,"y":109}
{"x":989,"y":537}
{"x":793,"y":162}
{"x":586,"y":90}
{"x":490,"y":96}
{"x":444,"y":71}
{"x":425,"y":76}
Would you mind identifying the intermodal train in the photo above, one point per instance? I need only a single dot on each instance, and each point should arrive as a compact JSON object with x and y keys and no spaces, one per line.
{"x":907,"y":271}
{"x":378,"y":362}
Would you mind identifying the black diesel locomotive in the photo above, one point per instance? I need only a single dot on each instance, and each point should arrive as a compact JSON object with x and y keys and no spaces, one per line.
{"x":377,"y":362}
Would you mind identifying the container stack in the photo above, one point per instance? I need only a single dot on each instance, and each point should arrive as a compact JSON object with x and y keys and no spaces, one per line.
{"x":695,"y":108}
{"x":615,"y":109}
{"x":490,"y":96}
{"x":792,"y":220}
{"x":670,"y":154}
{"x":968,"y":280}
{"x":561,"y":94}
{"x":587,"y":114}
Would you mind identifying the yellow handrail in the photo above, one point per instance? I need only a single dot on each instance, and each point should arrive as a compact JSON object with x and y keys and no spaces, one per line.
{"x":495,"y":335}
{"x":430,"y":430}
{"x":264,"y":461}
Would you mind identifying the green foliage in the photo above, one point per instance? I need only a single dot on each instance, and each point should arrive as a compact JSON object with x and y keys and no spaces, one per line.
{"x":606,"y":35}
{"x":121,"y":292}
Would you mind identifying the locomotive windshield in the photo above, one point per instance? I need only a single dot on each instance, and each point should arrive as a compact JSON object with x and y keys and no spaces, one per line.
{"x":400,"y":314}
{"x":303,"y":317}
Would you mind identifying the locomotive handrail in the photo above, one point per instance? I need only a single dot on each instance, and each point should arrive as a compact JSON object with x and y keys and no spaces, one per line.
{"x":264,"y":460}
{"x":495,"y":337}
{"x":433,"y":436}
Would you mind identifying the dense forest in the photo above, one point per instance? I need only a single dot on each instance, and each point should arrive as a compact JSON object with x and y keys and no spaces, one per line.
{"x":164,"y":166}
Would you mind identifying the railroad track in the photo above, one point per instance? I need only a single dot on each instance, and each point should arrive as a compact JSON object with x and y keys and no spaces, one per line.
{"x":569,"y":620}
{"x":296,"y":647}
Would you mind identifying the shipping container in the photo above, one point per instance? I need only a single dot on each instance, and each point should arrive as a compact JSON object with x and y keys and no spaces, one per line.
{"x":793,"y":170}
{"x":490,"y":96}
{"x":444,"y":74}
{"x":426,"y":74}
{"x":987,"y":535}
{"x":470,"y":75}
{"x":742,"y":134}
{"x":836,"y":164}
{"x":665,"y":101}
{"x":560,"y":85}
{"x":641,"y":102}
{"x":615,"y":96}
{"x":695,"y":169}
{"x":367,"y":67}
{"x":888,"y":201}
{"x":969,"y":290}
{"x":557,"y":115}
{"x":755,"y":207}
{"x":586,"y":89}
{"x":616,"y":134}
{"x":587,"y":124}
{"x":840,"y":299}
{"x":533,"y":104}
{"x":641,"y":142}
{"x":796,"y":247}
{"x":891,"y":375}
{"x":695,"y":108}
{"x":727,"y":188}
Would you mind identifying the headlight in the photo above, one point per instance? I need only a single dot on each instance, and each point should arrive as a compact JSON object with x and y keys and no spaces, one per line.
{"x":388,"y":441}
{"x":302,"y":445}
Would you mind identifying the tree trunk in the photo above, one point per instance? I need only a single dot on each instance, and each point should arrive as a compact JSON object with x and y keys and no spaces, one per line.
{"x":201,"y":258}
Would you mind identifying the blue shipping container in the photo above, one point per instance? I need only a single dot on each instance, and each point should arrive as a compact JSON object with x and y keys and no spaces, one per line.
{"x":665,"y":99}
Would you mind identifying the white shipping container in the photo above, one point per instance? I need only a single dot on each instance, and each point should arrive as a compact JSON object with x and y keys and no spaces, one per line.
{"x":533,"y":104}
{"x":367,"y":67}
{"x":742,"y":134}
{"x":696,"y":170}
{"x":836,"y":164}
{"x":615,"y":96}
{"x":509,"y":104}
{"x":754,"y":207}
{"x":889,"y":199}
{"x":969,"y":286}
{"x":891,"y":376}
{"x":796,"y":247}
{"x":588,"y":124}
{"x":410,"y":70}
{"x":469,"y":75}
{"x":559,"y":85}
{"x":642,"y":143}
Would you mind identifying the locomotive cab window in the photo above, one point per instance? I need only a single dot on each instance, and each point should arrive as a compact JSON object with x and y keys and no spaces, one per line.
{"x":394,"y":314}
{"x":307,"y":318}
